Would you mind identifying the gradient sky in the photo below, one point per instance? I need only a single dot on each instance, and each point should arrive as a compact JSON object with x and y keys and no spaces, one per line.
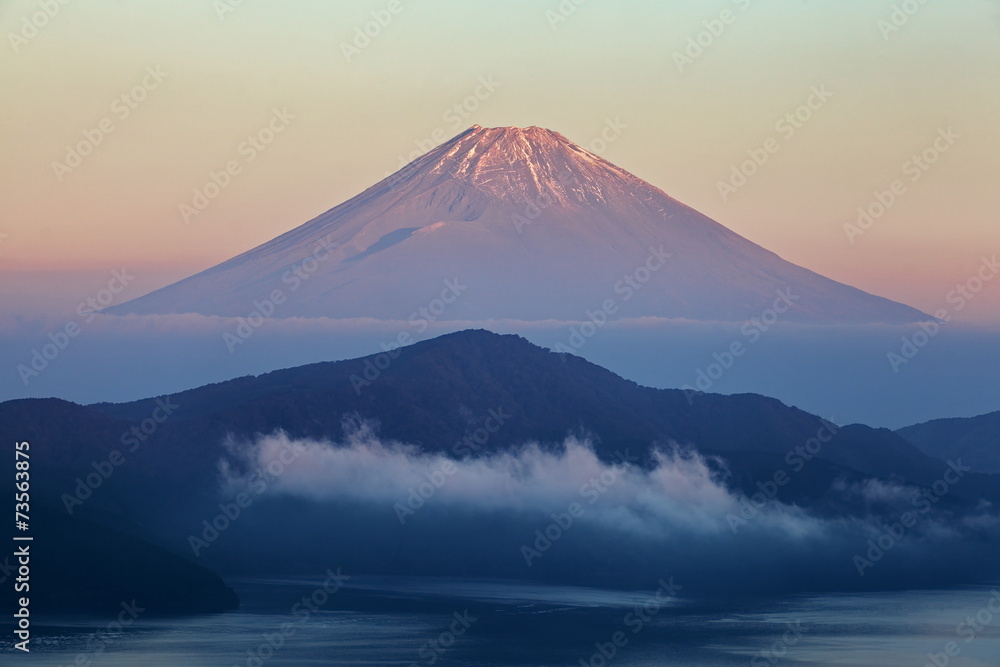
{"x":608,"y":60}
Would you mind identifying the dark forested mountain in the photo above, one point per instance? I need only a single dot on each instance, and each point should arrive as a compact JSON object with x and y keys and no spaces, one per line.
{"x":435,"y":396}
{"x":436,"y":393}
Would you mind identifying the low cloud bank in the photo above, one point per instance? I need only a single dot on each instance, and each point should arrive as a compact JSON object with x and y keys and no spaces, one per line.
{"x":565,"y":515}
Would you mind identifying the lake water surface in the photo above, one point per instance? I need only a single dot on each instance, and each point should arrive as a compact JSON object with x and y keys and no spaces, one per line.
{"x":373,"y":621}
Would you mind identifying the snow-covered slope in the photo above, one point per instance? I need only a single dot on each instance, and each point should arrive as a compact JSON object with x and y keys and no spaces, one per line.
{"x":531,"y":226}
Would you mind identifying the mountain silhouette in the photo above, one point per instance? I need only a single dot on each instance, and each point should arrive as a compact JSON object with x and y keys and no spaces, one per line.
{"x":516,"y":223}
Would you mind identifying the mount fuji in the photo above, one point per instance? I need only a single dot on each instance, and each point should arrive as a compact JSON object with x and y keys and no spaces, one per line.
{"x":516,"y":223}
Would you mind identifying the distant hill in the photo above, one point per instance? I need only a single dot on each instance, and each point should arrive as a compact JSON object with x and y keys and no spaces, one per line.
{"x":976,"y":440}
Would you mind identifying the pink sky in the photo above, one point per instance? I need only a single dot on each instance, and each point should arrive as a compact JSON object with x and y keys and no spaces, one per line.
{"x":170,"y":92}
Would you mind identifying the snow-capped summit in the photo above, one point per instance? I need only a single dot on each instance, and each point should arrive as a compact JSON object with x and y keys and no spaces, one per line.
{"x":515,"y":164}
{"x":521,"y":223}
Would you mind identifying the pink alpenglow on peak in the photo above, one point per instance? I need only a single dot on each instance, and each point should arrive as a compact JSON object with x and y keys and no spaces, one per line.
{"x":533,"y":227}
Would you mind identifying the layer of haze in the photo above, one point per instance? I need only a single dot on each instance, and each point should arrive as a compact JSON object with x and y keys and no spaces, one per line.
{"x":356,"y":119}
